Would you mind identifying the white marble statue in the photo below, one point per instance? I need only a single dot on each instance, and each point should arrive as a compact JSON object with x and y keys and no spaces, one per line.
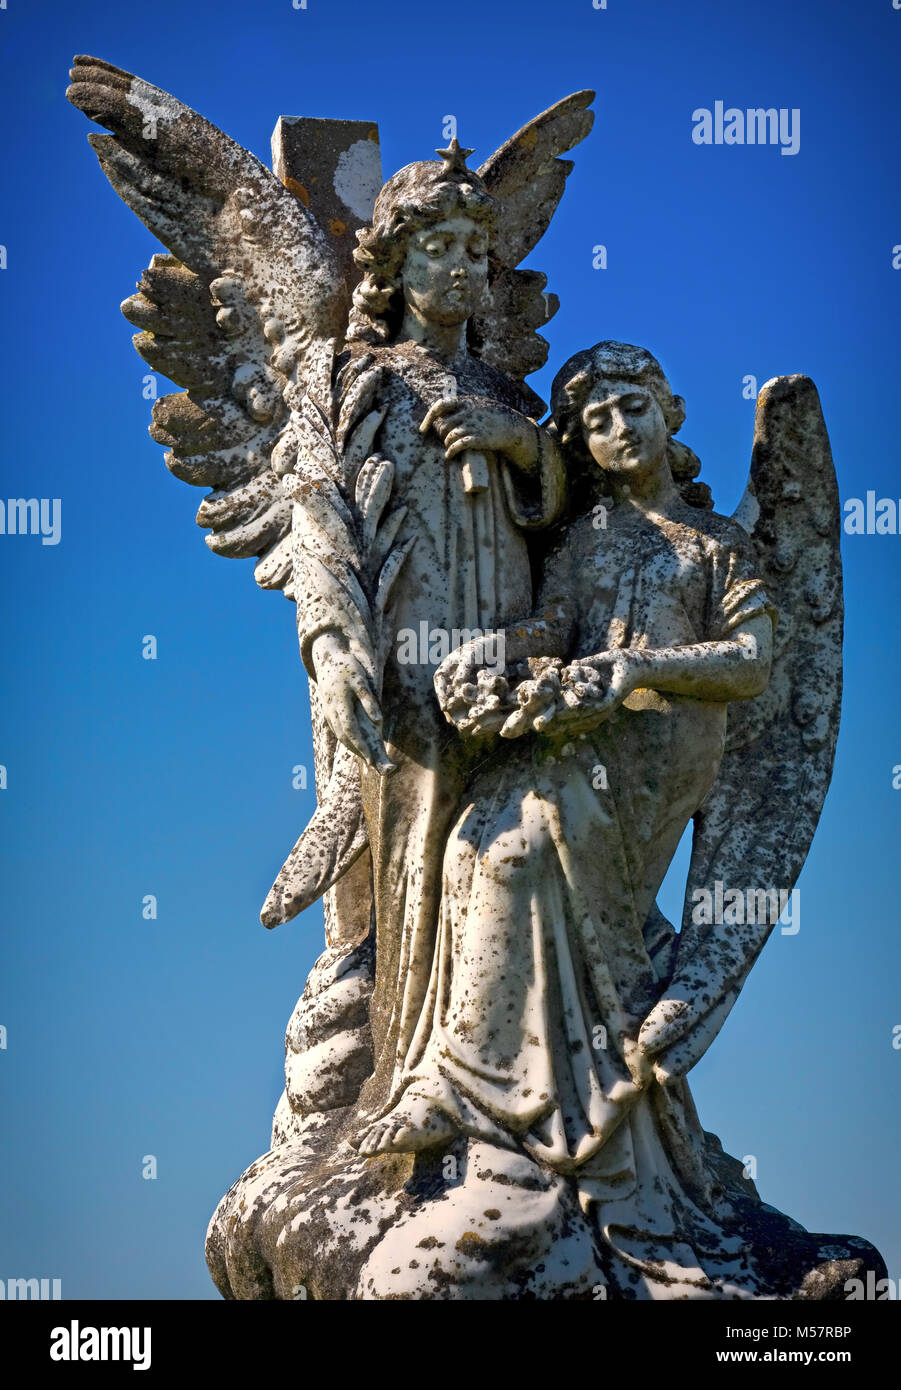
{"x":535,"y":655}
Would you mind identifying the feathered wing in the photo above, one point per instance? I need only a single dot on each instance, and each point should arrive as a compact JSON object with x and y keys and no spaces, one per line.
{"x":527,"y":176}
{"x":756,"y":826}
{"x":244,"y":314}
{"x":235,"y":314}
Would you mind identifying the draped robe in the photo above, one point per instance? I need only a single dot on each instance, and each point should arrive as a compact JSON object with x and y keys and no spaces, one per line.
{"x":549,"y":955}
{"x":468,"y":569}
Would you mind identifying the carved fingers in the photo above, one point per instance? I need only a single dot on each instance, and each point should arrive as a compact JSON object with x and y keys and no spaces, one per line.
{"x":471,"y":422}
{"x":665,"y":1024}
{"x":570,"y":699}
{"x":349,"y":702}
{"x":538,"y":700}
{"x":552,"y":698}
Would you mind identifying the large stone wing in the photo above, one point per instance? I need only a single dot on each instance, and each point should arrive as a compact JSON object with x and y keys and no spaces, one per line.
{"x":527,"y":176}
{"x":237,"y":314}
{"x":755,"y":828}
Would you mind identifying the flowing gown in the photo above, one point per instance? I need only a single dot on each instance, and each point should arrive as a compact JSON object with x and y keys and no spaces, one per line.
{"x":549,"y":955}
{"x":468,"y":569}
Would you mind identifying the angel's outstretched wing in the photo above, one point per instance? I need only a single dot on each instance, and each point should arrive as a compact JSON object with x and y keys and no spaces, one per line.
{"x":237,"y":314}
{"x":244,"y":314}
{"x":527,"y":176}
{"x":756,"y":826}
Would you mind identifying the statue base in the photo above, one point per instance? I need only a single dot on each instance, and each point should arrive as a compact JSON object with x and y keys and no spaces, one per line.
{"x":311,"y":1219}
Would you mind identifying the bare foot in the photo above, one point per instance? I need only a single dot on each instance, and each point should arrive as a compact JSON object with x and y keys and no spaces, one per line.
{"x":416,"y":1124}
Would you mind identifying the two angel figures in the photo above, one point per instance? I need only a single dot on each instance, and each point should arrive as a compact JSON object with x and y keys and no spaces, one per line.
{"x":485,"y":1078}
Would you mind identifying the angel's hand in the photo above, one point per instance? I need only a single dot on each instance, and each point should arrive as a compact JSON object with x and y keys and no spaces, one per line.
{"x":573,"y":699}
{"x":474,"y":422}
{"x":594,"y":687}
{"x":665,"y":1025}
{"x":641,"y":1065}
{"x":538,"y":699}
{"x":348,"y":701}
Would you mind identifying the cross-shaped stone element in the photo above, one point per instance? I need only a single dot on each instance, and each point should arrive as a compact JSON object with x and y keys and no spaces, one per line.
{"x":335,"y":169}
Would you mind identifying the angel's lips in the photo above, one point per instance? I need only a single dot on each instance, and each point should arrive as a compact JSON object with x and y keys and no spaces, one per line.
{"x":628,"y":453}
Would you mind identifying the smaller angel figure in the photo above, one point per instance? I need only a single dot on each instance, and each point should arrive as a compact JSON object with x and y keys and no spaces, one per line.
{"x":661,"y":620}
{"x":563,"y":1009}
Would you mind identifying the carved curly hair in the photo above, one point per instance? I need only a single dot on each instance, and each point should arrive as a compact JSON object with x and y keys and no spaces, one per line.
{"x":612,"y":361}
{"x":416,"y":197}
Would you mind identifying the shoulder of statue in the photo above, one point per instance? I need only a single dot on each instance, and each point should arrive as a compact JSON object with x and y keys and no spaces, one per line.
{"x":718,"y":529}
{"x":571,"y":543}
{"x":496,"y":383}
{"x":367,"y":368}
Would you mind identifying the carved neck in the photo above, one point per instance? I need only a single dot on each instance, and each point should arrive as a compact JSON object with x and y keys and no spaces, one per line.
{"x":447,"y":339}
{"x":653,"y":493}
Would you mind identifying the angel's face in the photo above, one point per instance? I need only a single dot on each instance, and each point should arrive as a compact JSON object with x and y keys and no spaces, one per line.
{"x":624,"y":429}
{"x":446,"y":270}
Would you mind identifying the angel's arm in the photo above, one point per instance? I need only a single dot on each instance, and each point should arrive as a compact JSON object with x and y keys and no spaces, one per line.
{"x":348,"y":699}
{"x":345,"y":563}
{"x":734,"y":669}
{"x":732,"y":663}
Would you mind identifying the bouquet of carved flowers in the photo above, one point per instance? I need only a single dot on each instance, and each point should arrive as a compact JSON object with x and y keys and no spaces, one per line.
{"x":536,"y":693}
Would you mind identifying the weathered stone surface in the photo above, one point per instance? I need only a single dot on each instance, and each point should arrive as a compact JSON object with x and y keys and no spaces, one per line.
{"x":536,"y":654}
{"x":312,"y":1220}
{"x":328,"y":1045}
{"x":335,"y":169}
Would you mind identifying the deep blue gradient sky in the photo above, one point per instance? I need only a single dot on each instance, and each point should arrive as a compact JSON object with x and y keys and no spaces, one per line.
{"x":127,"y":777}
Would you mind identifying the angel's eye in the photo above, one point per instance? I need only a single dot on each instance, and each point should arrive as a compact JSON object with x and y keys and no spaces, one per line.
{"x":595,"y":423}
{"x":477,"y":250}
{"x":637,"y":405}
{"x":435,"y":248}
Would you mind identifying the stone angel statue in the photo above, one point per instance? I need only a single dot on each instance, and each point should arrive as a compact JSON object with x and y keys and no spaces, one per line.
{"x":312,"y":402}
{"x":535,"y":654}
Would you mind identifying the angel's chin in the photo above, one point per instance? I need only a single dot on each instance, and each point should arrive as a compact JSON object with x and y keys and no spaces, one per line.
{"x":450,"y":315}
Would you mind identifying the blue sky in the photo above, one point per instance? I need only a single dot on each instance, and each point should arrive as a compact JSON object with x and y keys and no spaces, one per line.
{"x":127,"y":777}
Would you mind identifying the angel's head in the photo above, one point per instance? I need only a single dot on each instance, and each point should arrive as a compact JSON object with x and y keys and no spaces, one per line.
{"x":427,"y":248}
{"x":616,"y":415}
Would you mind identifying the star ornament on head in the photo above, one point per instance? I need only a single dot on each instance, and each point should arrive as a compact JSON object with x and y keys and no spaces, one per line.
{"x":455,"y":157}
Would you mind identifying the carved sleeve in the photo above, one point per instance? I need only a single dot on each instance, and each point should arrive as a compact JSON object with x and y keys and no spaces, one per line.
{"x":736,"y":593}
{"x":535,"y":500}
